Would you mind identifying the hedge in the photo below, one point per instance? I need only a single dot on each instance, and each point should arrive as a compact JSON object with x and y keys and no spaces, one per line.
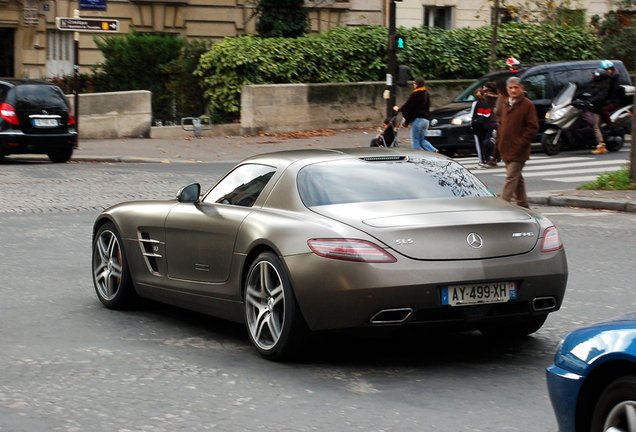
{"x":354,"y":55}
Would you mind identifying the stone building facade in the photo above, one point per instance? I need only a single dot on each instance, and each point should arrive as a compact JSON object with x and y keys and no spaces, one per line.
{"x":449,"y":14}
{"x":32,"y":46}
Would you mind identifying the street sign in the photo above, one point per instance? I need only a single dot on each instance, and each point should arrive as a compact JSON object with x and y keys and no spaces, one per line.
{"x":88,"y":25}
{"x":92,"y":5}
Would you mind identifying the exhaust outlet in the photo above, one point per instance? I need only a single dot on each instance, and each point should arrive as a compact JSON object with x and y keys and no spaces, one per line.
{"x":392,"y":316}
{"x":543,"y":303}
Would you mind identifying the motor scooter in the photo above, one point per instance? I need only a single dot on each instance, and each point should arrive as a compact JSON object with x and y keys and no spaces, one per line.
{"x":570,"y":124}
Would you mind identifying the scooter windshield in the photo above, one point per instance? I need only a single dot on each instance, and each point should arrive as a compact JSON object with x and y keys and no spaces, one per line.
{"x":565,"y":96}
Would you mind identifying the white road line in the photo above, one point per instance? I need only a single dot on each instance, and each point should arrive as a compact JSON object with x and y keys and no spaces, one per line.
{"x":569,"y":172}
{"x":580,"y":179}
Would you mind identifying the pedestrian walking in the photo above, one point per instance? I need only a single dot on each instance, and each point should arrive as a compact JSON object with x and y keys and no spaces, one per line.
{"x":416,"y":112}
{"x":480,"y":124}
{"x":500,"y":101}
{"x":518,"y":125}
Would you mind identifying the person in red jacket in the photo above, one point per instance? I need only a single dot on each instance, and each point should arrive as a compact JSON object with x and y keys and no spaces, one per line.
{"x":518,"y":125}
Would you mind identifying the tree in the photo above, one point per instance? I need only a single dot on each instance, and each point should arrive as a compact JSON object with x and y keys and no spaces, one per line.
{"x":281,"y":18}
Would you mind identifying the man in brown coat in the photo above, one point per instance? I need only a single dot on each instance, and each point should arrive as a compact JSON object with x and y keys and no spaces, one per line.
{"x":518,"y":125}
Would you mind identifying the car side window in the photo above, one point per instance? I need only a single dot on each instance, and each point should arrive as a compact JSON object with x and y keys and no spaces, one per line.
{"x":535,"y":87}
{"x":577,"y":76}
{"x":242,"y":186}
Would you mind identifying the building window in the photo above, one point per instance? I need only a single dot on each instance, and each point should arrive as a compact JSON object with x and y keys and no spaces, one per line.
{"x":438,"y":16}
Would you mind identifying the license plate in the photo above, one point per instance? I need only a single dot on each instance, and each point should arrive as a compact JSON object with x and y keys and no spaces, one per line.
{"x":490,"y":292}
{"x":39,"y":122}
{"x":434,"y":133}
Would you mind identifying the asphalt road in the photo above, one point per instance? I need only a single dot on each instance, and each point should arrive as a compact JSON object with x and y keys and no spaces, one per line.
{"x":69,"y":364}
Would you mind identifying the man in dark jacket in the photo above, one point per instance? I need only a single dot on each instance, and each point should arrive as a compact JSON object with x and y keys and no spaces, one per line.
{"x":518,"y":125}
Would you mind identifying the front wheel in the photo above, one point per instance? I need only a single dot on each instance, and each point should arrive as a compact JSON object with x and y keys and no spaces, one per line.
{"x":516,"y":330}
{"x":111,"y":275}
{"x":616,"y":407}
{"x":374,"y":142}
{"x":552,"y":143}
{"x":275,"y":325}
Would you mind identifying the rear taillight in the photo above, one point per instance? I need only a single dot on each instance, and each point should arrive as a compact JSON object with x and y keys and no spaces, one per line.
{"x":551,"y":240}
{"x":71,"y":119}
{"x":350,"y":250}
{"x":7,"y":112}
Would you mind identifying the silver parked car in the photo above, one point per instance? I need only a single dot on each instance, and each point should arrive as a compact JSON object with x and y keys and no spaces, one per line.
{"x":313,"y":240}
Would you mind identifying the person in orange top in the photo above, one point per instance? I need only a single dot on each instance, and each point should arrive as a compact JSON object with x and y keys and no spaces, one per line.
{"x":416,"y":112}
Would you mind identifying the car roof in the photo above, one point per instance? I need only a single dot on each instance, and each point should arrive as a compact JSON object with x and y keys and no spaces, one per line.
{"x":21,"y":81}
{"x":564,"y":65}
{"x":310,"y":156}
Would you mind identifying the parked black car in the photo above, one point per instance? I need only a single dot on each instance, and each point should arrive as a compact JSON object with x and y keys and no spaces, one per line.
{"x":35,"y":117}
{"x":449,"y":130}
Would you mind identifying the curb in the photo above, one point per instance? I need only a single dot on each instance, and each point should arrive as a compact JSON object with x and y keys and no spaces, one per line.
{"x":584,"y":202}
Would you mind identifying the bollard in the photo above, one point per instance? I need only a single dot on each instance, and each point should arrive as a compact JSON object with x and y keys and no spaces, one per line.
{"x":196,"y":124}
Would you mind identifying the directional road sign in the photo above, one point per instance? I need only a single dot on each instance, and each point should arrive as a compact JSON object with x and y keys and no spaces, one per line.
{"x":88,"y":25}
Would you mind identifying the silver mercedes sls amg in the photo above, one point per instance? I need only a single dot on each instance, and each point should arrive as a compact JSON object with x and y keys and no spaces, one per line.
{"x":300,"y":241}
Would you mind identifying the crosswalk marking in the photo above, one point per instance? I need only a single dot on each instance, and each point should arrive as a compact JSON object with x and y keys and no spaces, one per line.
{"x":575,"y":169}
{"x":569,"y":172}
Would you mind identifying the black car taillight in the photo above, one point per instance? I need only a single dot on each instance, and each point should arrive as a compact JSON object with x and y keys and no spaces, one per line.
{"x":71,"y":119}
{"x":7,"y":112}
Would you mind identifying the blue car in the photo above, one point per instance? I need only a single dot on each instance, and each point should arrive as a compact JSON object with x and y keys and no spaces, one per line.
{"x":592,"y":382}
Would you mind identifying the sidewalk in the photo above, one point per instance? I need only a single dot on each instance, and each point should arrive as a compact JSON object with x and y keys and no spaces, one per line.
{"x":233,"y":149}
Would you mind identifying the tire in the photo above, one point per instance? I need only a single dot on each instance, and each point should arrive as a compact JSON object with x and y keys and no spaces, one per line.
{"x":616,"y":144}
{"x":274,"y":323}
{"x":61,"y":156}
{"x":447,"y":151}
{"x":111,"y":275}
{"x":616,"y":407}
{"x":1,"y":155}
{"x":374,"y":143}
{"x":550,"y":146}
{"x":517,"y":330}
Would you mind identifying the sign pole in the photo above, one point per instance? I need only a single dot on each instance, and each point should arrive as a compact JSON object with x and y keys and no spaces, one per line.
{"x":76,"y":34}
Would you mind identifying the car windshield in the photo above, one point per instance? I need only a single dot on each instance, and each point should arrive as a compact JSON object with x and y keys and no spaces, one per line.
{"x":359,"y":180}
{"x":39,"y":96}
{"x":468,"y":95}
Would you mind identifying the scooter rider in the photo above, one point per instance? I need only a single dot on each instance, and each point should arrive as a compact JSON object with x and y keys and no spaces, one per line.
{"x":599,"y":90}
{"x":614,"y":93}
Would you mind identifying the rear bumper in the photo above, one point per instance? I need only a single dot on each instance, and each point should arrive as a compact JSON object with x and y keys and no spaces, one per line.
{"x":17,"y":142}
{"x":335,"y":295}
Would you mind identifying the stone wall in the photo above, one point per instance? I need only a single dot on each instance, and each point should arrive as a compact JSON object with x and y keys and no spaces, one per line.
{"x":293,"y":107}
{"x":114,"y":115}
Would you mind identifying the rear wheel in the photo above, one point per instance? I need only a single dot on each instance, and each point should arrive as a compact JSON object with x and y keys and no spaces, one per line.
{"x":616,"y":407}
{"x":551,"y":145}
{"x":1,"y":155}
{"x":61,"y":156}
{"x":615,"y":143}
{"x":374,"y":142}
{"x":111,"y":275}
{"x":516,"y":330}
{"x":275,"y":325}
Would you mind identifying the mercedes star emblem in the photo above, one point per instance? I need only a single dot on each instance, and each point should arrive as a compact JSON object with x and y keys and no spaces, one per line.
{"x":474,"y":241}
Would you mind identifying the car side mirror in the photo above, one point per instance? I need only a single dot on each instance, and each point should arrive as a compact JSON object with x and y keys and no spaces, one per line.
{"x":189,"y":194}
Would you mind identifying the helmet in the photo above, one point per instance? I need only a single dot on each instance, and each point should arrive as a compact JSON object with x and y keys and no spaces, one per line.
{"x":512,"y":63}
{"x":606,"y":64}
{"x":600,"y":75}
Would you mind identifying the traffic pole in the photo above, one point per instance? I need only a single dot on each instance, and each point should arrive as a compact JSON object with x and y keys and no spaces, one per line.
{"x":76,"y":35}
{"x":391,"y":64}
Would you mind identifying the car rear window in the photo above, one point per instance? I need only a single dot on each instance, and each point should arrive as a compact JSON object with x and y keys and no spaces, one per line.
{"x":359,"y":180}
{"x":39,"y":96}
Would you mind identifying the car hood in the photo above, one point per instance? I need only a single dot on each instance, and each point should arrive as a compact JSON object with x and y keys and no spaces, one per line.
{"x":450,"y":109}
{"x":443,"y":228}
{"x":584,"y":348}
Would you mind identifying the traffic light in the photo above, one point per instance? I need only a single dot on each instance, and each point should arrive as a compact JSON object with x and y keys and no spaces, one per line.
{"x":397,"y":42}
{"x":403,"y":76}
